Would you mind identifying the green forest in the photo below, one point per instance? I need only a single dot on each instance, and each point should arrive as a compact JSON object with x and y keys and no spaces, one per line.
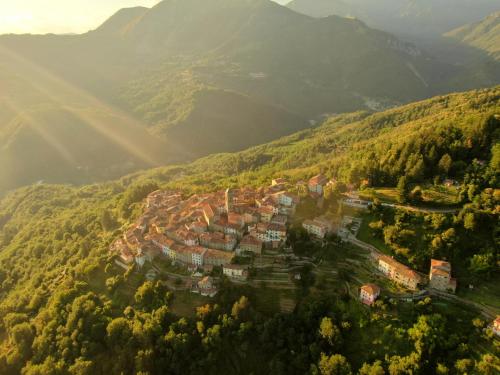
{"x":67,"y":309}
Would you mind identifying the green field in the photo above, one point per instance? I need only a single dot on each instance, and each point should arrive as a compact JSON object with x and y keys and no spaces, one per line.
{"x":485,"y":293}
{"x":185,"y":303}
{"x":365,"y":234}
{"x":432,"y":195}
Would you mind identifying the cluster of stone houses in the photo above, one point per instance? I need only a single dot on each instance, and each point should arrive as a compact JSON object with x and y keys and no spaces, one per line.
{"x":439,"y":275}
{"x":206,"y":229}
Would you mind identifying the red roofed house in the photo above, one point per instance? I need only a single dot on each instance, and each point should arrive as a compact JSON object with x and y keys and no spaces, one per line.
{"x":183,"y":254}
{"x":217,"y":240}
{"x":398,"y":272}
{"x":440,"y":276}
{"x":287,"y":199}
{"x":188,"y":238}
{"x":206,"y":287}
{"x":276,"y":232}
{"x":197,"y":227}
{"x":266,"y":213}
{"x":316,"y":227}
{"x":235,"y":271}
{"x":233,"y":230}
{"x":496,"y":326}
{"x":218,"y":257}
{"x":252,"y":244}
{"x":317,"y":184}
{"x":251,"y":216}
{"x":236,"y":219}
{"x":126,"y":256}
{"x":162,"y":241}
{"x":197,"y":255}
{"x":369,"y":293}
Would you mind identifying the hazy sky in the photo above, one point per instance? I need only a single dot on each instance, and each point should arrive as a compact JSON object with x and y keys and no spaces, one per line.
{"x":61,"y":16}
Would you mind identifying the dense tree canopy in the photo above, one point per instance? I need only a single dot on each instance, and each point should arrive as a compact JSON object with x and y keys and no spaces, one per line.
{"x":65,"y":309}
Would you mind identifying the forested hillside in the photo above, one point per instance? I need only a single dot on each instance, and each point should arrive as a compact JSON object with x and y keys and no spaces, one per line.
{"x":66,"y":310}
{"x":408,"y":140}
{"x":171,"y":79}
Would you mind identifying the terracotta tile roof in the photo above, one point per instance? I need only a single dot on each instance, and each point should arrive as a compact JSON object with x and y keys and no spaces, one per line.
{"x":251,"y":240}
{"x":206,"y":282}
{"x":439,"y":272}
{"x":315,"y":223}
{"x":266,"y":210}
{"x":219,"y":254}
{"x":400,"y":268}
{"x":371,"y":289}
{"x":233,"y":226}
{"x":235,"y":266}
{"x":277,"y":227}
{"x":197,"y":249}
{"x":318,"y":180}
{"x":441,"y":264}
{"x":161,"y":239}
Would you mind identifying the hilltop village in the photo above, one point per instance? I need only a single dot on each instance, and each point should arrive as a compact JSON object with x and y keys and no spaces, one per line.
{"x":212,"y":230}
{"x":209,"y":230}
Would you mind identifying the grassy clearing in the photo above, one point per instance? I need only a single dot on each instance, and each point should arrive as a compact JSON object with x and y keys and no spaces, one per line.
{"x":440,"y":195}
{"x":185,"y":303}
{"x":165,"y":265}
{"x":485,"y":293}
{"x":307,"y":209}
{"x":268,"y":300}
{"x":386,"y":195}
{"x":365,"y":234}
{"x":432,"y":195}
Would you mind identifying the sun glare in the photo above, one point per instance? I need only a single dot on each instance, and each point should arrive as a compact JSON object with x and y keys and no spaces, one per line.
{"x":59,"y":16}
{"x":59,"y":91}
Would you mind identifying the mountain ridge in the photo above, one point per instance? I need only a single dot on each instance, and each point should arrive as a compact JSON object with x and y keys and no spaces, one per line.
{"x":403,"y":17}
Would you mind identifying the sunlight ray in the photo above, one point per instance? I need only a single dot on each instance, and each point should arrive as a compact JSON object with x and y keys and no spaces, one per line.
{"x":39,"y":128}
{"x":60,"y":91}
